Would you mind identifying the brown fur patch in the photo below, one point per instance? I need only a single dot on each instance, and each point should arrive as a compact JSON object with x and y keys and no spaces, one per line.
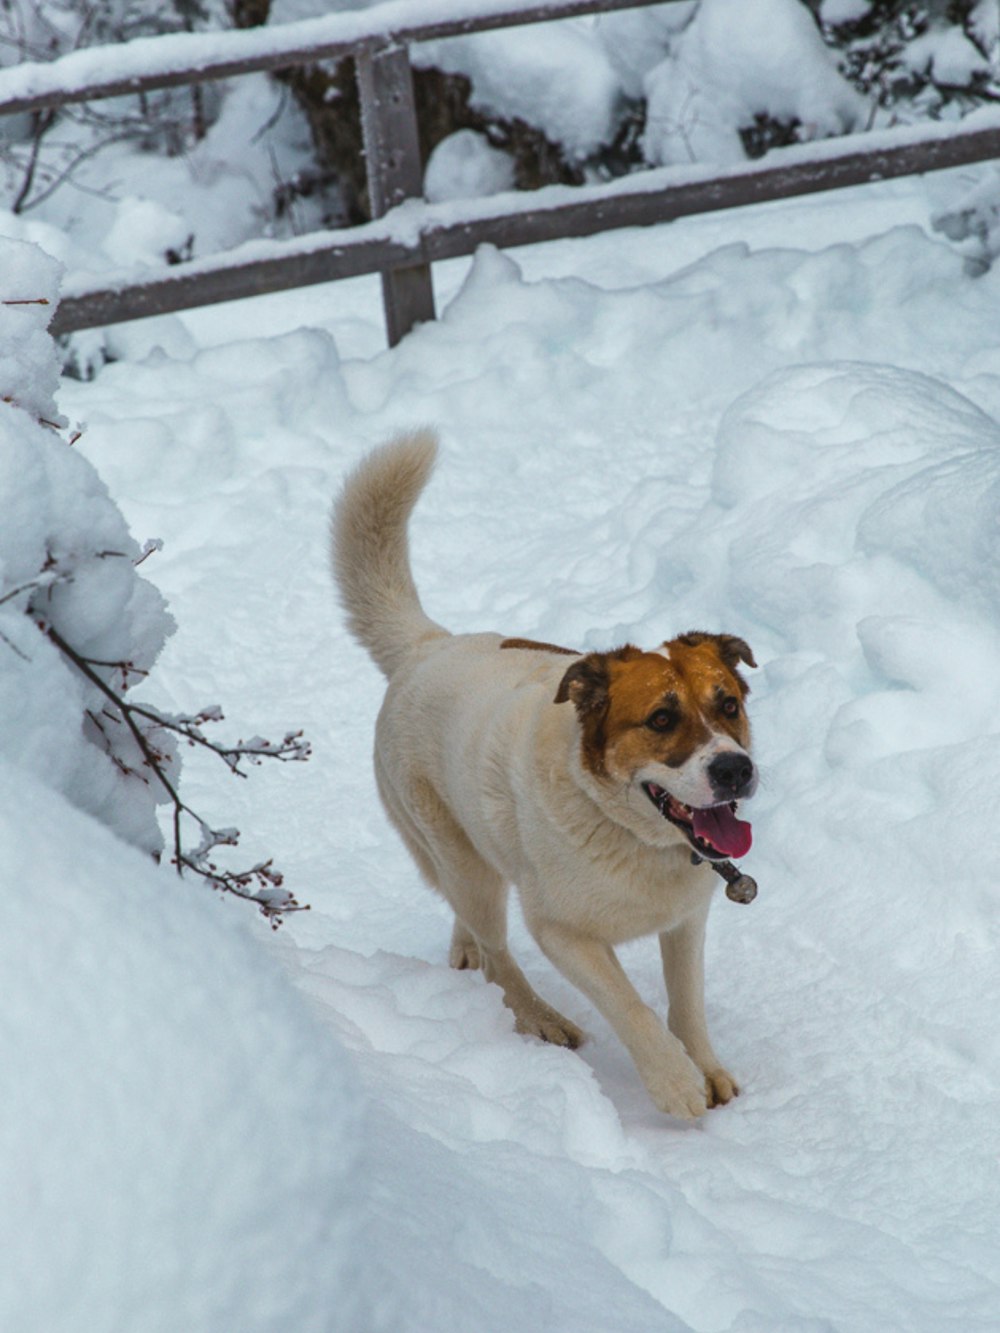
{"x":640,"y":689}
{"x":713,"y":679}
{"x":587,"y":684}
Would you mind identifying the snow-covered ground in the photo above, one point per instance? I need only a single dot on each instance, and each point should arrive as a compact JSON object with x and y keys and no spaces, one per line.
{"x":782,"y":423}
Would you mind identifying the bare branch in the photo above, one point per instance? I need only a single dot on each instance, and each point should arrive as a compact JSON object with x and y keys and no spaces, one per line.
{"x":261,"y":884}
{"x":43,"y":124}
{"x":150,"y":547}
{"x":14,"y":648}
{"x":43,"y":581}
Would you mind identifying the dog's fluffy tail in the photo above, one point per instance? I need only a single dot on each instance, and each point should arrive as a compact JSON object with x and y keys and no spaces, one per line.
{"x":370,"y":550}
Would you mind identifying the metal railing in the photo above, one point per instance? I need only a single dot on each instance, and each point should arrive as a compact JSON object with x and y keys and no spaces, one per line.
{"x":407,"y":235}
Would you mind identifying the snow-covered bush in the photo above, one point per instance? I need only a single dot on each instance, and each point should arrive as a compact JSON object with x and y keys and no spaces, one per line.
{"x":68,"y":564}
{"x":39,"y":152}
{"x":707,"y":80}
{"x":553,"y":76}
{"x":916,"y":59}
{"x":734,"y":71}
{"x":34,"y":30}
{"x":80,"y":625}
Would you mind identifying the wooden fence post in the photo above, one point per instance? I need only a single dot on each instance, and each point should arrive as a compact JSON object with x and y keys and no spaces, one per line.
{"x":392,"y":165}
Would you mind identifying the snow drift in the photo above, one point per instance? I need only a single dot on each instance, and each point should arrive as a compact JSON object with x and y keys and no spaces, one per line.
{"x":181,"y":1144}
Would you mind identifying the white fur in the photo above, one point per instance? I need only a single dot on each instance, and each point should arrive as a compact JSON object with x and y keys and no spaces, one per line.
{"x":690,"y":781}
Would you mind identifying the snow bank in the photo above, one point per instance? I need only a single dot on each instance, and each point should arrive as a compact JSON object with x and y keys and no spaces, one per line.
{"x":466,"y":1132}
{"x":881,"y":473}
{"x":180,"y":1143}
{"x":735,"y":62}
{"x":887,"y":483}
{"x":554,"y":76}
{"x":636,"y":40}
{"x":466,"y":166}
{"x":971,"y":219}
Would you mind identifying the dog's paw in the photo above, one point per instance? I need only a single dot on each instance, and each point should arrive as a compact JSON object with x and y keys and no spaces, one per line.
{"x":680,"y":1092}
{"x":541,"y":1020}
{"x":464,"y":954}
{"x":720,"y":1087}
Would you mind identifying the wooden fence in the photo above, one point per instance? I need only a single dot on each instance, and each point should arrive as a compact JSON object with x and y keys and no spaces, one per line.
{"x":408,"y":236}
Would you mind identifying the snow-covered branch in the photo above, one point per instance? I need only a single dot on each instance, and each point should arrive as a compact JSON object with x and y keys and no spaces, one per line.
{"x":261,"y":884}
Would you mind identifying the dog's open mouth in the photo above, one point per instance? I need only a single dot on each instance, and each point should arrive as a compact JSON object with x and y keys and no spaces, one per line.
{"x":714,"y":832}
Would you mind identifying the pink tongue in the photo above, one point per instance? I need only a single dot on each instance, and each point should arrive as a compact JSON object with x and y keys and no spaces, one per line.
{"x":719,"y":826}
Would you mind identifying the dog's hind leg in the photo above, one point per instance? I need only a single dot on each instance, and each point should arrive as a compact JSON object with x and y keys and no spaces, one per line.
{"x":531,"y":1014}
{"x":478,"y":895}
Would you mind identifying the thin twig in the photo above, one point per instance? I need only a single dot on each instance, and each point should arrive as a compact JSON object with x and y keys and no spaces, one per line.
{"x":42,"y":126}
{"x":270,"y":898}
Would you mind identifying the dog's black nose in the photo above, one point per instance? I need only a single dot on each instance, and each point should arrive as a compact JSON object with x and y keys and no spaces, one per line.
{"x":731,"y":774}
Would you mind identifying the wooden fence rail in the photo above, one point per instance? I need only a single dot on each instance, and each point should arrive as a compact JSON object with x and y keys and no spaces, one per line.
{"x":147,"y":64}
{"x":408,"y":236}
{"x":424,"y":234}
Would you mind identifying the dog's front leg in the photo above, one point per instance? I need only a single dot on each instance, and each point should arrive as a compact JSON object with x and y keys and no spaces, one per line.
{"x":683,"y":952}
{"x":674,"y":1082}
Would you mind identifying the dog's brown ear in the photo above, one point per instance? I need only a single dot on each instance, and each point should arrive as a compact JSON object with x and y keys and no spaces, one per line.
{"x":731,"y":649}
{"x":587,"y":681}
{"x":586,"y":684}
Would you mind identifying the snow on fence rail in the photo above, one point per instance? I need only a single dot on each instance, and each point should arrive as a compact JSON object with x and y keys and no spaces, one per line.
{"x":407,"y":236}
{"x":168,"y":61}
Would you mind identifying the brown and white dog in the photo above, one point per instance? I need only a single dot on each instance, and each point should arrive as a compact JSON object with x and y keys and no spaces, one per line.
{"x":586,"y":780}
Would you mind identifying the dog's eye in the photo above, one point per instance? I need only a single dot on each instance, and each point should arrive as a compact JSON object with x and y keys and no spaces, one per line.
{"x":662,"y":720}
{"x":730,"y":707}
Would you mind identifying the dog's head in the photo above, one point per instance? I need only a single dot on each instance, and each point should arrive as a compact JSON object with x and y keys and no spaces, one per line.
{"x":671,"y":726}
